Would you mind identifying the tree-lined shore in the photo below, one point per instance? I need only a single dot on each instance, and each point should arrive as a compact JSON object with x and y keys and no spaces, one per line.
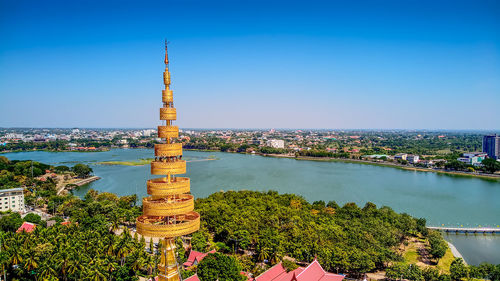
{"x":255,"y":230}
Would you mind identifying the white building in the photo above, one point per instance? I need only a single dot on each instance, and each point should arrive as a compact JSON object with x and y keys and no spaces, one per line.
{"x":473,"y":158}
{"x":276,"y":143}
{"x":148,"y":133}
{"x":413,"y":158}
{"x":12,"y":199}
{"x":14,"y":136}
{"x":400,"y":156}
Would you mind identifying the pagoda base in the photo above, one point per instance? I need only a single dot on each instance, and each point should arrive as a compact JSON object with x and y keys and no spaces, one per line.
{"x":168,"y":268}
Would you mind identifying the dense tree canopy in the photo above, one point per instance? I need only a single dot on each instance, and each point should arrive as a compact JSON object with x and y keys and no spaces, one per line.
{"x":87,"y":248}
{"x":82,"y":170}
{"x":346,"y":239}
{"x":219,"y":267}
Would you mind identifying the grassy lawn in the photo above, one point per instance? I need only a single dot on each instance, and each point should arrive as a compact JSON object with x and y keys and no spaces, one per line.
{"x":411,"y":256}
{"x":445,"y":262}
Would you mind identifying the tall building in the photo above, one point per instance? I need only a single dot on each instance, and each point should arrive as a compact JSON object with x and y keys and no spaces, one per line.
{"x":491,"y":145}
{"x":12,"y":199}
{"x":168,"y":212}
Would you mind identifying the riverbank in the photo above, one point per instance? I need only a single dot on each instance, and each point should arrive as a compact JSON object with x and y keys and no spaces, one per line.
{"x":455,"y":252}
{"x":449,"y":200}
{"x":495,"y":177}
{"x":52,"y":150}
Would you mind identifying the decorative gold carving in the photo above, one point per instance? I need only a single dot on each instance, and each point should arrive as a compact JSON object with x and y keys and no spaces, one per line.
{"x":168,"y":213}
{"x":167,"y":95}
{"x":168,"y":113}
{"x":168,"y":131}
{"x":156,"y":227}
{"x":161,"y":187}
{"x":168,"y":149}
{"x":171,"y":206}
{"x":166,"y":77}
{"x":168,"y":168}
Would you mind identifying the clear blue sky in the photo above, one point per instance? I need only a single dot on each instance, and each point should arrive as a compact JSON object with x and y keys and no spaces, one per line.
{"x":252,"y":64}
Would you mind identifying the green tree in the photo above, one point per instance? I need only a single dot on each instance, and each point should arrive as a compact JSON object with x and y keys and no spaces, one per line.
{"x":33,"y":218}
{"x":219,"y":267}
{"x":438,"y":245}
{"x":199,"y":242}
{"x":458,"y":270}
{"x":82,"y":170}
{"x":491,"y":165}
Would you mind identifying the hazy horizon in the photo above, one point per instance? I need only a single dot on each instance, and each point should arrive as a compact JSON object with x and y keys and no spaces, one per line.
{"x":421,"y":65}
{"x":486,"y":131}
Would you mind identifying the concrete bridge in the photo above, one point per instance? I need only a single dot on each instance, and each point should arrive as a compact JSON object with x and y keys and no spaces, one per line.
{"x":467,"y":230}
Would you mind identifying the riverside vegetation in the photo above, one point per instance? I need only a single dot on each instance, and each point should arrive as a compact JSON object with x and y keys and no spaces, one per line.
{"x":253,"y":230}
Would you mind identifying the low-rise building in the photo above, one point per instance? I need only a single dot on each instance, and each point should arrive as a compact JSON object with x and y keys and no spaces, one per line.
{"x":400,"y":156}
{"x":413,"y":159}
{"x":195,"y":257}
{"x":473,"y":158}
{"x":276,"y":143}
{"x":313,"y":272}
{"x":26,"y":227}
{"x":12,"y":199}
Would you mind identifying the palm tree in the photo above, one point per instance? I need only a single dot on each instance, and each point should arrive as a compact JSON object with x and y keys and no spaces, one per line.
{"x":63,"y":259}
{"x":110,"y":265}
{"x":75,"y":267}
{"x":16,"y":256}
{"x":263,"y":253}
{"x":150,"y":263}
{"x":30,"y":263}
{"x":94,"y":272}
{"x":47,"y":272}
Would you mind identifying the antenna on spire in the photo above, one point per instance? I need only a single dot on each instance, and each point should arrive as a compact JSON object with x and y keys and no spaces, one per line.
{"x":166,"y":54}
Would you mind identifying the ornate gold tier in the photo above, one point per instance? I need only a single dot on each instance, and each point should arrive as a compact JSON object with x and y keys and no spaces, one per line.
{"x":166,"y":77}
{"x":168,"y":131}
{"x":155,"y":227}
{"x":165,"y":168}
{"x":170,"y":206}
{"x":168,"y":149}
{"x":161,"y":187}
{"x":172,"y":275}
{"x":168,"y":113}
{"x":167,"y":95}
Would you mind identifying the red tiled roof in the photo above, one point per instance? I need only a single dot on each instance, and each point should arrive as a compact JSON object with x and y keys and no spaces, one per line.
{"x":313,"y":272}
{"x":273,"y":273}
{"x":195,"y":256}
{"x":193,"y":278}
{"x":26,"y":226}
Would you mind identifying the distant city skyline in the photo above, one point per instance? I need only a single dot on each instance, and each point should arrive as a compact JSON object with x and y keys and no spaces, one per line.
{"x":259,"y":64}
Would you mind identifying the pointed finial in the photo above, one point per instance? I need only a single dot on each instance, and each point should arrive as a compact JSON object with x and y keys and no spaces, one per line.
{"x":166,"y":53}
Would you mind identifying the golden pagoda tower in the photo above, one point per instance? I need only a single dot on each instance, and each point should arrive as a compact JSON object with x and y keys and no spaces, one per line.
{"x":168,"y":212}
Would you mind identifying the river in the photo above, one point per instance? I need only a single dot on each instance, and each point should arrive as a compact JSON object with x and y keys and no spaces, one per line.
{"x":441,"y":199}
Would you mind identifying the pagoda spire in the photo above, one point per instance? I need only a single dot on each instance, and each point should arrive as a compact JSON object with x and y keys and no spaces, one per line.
{"x":169,"y":211}
{"x":166,"y":53}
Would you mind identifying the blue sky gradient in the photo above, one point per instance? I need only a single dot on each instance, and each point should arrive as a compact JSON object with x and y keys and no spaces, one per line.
{"x":252,"y":64}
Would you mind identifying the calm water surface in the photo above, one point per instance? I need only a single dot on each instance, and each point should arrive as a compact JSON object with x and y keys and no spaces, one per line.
{"x":441,"y":199}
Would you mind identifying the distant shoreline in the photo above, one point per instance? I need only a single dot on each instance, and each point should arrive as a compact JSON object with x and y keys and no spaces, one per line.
{"x":390,"y":165}
{"x":51,"y":150}
{"x":491,"y":177}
